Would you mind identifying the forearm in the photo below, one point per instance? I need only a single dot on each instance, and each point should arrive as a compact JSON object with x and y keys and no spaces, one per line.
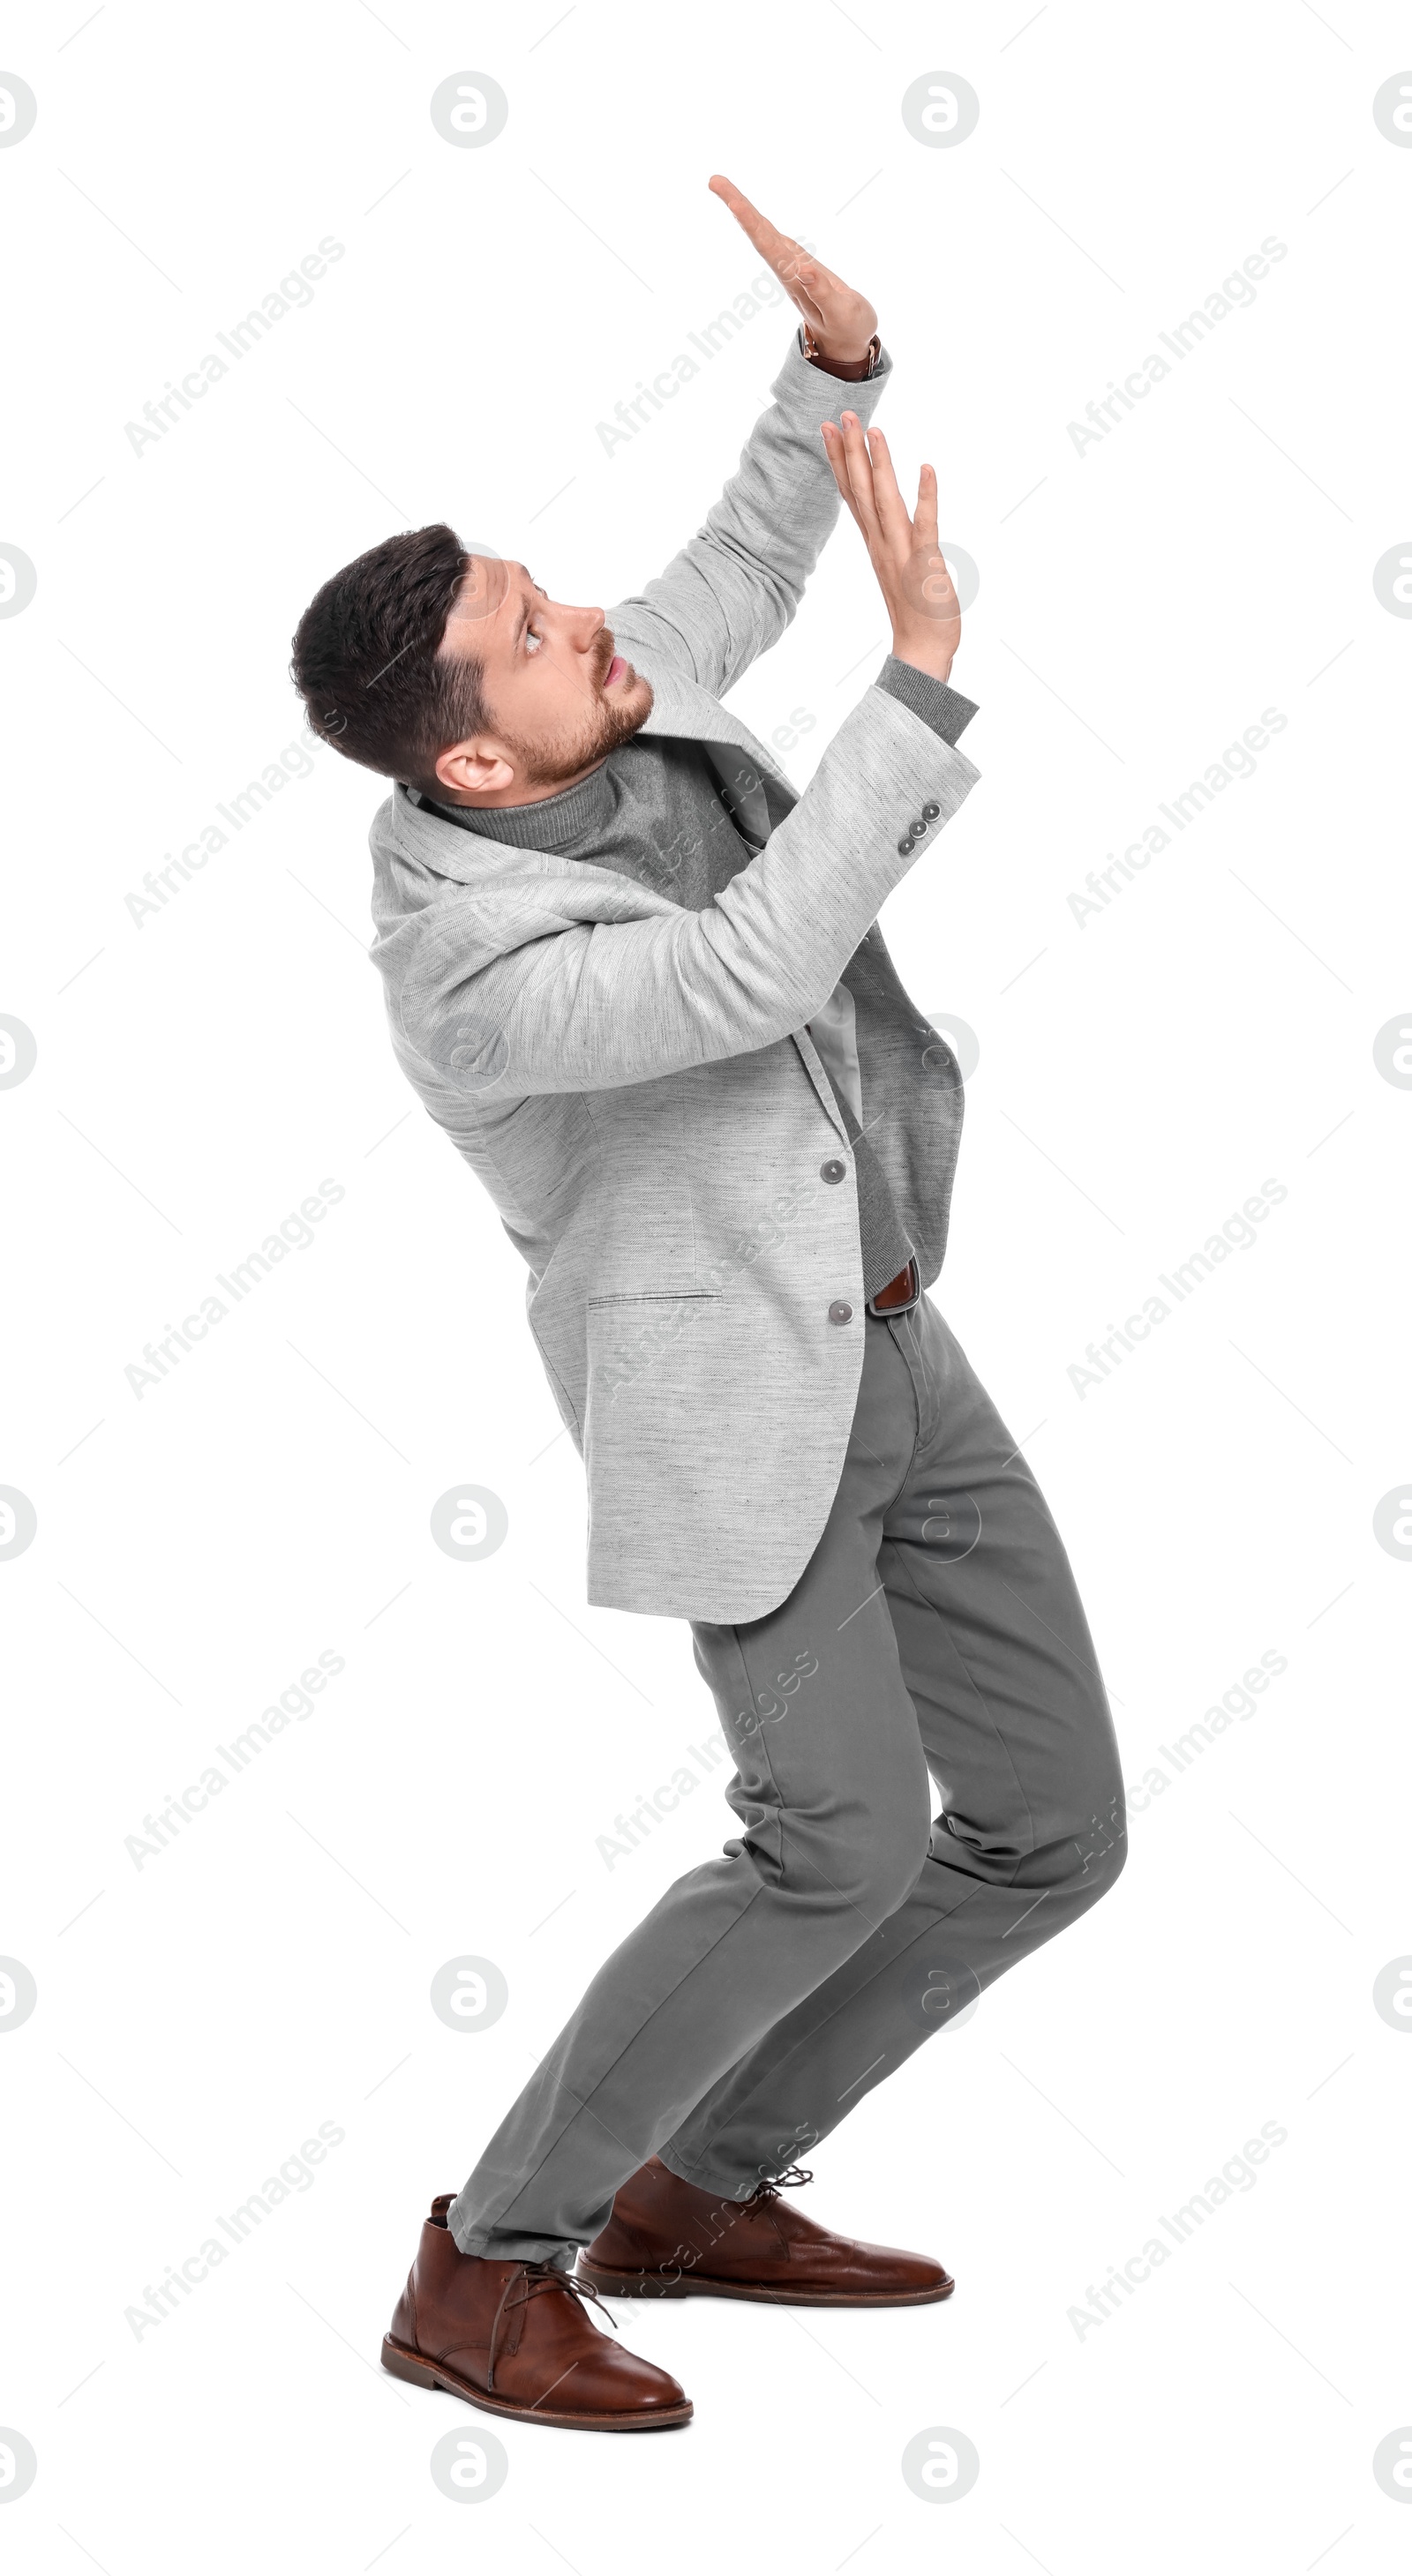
{"x":733,"y":589}
{"x":606,"y":1003}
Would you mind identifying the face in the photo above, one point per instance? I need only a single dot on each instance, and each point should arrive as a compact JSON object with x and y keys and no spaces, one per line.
{"x":559,"y":697}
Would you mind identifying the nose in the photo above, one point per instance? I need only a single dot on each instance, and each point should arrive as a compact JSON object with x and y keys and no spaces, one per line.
{"x":584,"y":624}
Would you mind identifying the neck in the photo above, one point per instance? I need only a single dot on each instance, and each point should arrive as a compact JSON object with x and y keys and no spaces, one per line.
{"x":515,"y":794}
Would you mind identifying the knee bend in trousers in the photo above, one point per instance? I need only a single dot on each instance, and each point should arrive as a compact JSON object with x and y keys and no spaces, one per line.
{"x":875,"y":1865}
{"x":1099,"y":1851}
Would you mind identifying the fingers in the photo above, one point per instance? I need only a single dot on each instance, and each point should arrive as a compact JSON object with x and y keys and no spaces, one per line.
{"x":772,"y":244}
{"x":833,"y":448}
{"x":893,"y":516}
{"x":803,"y":278}
{"x":924,"y":521}
{"x":898,"y":543}
{"x":858,"y":466}
{"x":811,"y":287}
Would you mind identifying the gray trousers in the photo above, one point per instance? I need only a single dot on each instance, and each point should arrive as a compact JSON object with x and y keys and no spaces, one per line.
{"x":936,"y":1629}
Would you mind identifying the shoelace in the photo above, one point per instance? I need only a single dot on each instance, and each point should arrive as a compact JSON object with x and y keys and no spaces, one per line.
{"x":522,"y":2287}
{"x":793,"y":2178}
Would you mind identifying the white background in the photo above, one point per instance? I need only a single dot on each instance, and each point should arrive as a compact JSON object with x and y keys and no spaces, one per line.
{"x":1140,"y":1075}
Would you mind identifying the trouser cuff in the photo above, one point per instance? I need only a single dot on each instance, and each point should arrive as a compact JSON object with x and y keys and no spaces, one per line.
{"x":721,"y":2186}
{"x":504,"y":2246}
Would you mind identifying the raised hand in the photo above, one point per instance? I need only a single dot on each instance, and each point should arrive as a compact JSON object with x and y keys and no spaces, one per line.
{"x":841,"y":322}
{"x":902,"y":547}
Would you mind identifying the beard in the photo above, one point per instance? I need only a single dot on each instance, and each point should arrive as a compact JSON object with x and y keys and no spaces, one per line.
{"x":609,"y":719}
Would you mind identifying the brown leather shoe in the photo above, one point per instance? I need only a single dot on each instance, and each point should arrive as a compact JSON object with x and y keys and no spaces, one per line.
{"x":667,"y":2240}
{"x":516,"y":2339}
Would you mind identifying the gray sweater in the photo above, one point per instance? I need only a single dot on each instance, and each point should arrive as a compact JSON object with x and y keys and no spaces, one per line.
{"x":654,"y":811}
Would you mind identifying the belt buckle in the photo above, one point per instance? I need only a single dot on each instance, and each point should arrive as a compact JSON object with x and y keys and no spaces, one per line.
{"x":905,"y":1307}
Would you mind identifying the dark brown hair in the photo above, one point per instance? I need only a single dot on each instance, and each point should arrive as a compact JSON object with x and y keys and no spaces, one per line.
{"x":365,"y":657}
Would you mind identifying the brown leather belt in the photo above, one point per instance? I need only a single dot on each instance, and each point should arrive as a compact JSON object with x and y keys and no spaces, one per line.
{"x":900,"y":1295}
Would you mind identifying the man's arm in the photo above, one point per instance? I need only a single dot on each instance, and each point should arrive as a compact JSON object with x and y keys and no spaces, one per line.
{"x":735,"y":586}
{"x":588,"y":1005}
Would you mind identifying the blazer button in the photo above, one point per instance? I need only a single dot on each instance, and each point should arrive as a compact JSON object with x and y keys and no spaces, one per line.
{"x":931,"y":812}
{"x":905,"y":848}
{"x":840,"y":1312}
{"x":833,"y":1172}
{"x":918,"y":828}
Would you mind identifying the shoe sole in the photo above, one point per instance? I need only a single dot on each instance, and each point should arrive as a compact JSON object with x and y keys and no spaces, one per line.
{"x":421,"y":2373}
{"x":698,"y":2285}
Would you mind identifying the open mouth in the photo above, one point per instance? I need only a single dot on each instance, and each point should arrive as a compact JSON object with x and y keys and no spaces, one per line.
{"x":614,"y":672}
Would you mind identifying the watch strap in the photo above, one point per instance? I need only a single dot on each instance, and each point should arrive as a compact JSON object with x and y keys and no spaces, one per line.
{"x":868,"y":366}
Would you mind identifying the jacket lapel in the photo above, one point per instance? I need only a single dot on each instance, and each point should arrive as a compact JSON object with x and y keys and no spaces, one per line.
{"x":814,"y":1068}
{"x":741,"y":763}
{"x":689,"y":712}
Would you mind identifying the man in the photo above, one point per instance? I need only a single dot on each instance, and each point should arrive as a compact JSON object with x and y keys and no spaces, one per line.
{"x":642,"y":987}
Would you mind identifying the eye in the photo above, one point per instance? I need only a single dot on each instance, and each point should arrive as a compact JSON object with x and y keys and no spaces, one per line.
{"x":534,"y":642}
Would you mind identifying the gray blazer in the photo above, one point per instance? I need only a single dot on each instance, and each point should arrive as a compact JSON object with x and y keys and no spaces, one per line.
{"x":635,"y":1085}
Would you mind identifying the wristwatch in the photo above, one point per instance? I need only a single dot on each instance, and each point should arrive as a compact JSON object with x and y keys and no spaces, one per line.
{"x":854,"y":375}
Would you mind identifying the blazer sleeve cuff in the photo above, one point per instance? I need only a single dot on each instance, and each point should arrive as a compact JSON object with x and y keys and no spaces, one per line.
{"x":944,"y":709}
{"x":803,"y":388}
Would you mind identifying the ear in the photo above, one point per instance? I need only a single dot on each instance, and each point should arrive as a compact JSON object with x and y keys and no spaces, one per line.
{"x":469,"y":769}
